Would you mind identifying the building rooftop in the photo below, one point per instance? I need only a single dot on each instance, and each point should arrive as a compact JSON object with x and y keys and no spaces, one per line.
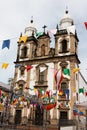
{"x":4,"y":87}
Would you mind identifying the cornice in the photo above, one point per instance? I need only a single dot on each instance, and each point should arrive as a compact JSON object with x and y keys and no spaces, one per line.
{"x":48,"y":59}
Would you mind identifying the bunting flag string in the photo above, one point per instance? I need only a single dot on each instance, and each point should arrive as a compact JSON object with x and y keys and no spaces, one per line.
{"x":46,"y":97}
{"x":6,"y":42}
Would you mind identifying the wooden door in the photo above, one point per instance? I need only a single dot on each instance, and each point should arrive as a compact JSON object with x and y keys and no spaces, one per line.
{"x":18,"y":117}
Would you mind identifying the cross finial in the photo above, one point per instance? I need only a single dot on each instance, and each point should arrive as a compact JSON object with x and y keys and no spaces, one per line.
{"x":57,"y":27}
{"x":44,"y":27}
{"x":31,"y":19}
{"x":66,"y":9}
{"x":21,"y":34}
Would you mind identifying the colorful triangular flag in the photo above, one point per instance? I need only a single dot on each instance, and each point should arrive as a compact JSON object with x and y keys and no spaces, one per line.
{"x":60,"y":92}
{"x":85,"y":93}
{"x":71,"y":29}
{"x":85,"y":24}
{"x":53,"y":31}
{"x":39,"y":34}
{"x":5,"y":65}
{"x":66,"y":71}
{"x":76,"y":70}
{"x":29,"y":67}
{"x":42,"y":69}
{"x":23,"y":39}
{"x":6,"y":43}
{"x":17,"y":65}
{"x":81,"y":90}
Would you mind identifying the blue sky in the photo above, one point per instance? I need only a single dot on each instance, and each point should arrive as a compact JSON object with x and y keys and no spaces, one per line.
{"x":16,"y":14}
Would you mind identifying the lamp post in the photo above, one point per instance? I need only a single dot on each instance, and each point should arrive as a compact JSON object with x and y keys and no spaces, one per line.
{"x":44,"y":114}
{"x":44,"y":119}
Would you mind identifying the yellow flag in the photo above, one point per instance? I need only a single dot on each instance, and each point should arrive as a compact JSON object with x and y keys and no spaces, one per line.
{"x":76,"y":70}
{"x":23,"y":39}
{"x":45,"y":95}
{"x":5,"y":65}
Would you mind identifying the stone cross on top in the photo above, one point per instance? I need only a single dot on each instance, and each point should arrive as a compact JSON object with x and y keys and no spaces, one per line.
{"x":44,"y":27}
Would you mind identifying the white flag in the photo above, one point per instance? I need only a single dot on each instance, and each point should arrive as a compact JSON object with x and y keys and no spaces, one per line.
{"x":42,"y":69}
{"x":71,"y":29}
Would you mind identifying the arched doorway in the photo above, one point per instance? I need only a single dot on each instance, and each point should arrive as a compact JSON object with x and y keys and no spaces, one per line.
{"x":18,"y":117}
{"x":38,"y":116}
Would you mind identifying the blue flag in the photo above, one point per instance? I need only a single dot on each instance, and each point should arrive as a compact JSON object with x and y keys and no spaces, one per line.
{"x":17,"y":65}
{"x":6,"y":43}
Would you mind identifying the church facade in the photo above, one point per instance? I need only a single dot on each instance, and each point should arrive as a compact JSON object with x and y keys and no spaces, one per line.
{"x":36,"y":67}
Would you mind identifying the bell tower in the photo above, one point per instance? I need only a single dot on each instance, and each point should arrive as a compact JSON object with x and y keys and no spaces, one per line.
{"x":31,"y":29}
{"x":66,"y":40}
{"x":66,"y":49}
{"x":27,"y":43}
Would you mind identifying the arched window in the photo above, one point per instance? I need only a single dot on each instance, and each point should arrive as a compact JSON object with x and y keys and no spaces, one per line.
{"x":64,"y":46}
{"x":20,"y":90}
{"x":41,"y":72}
{"x":64,"y":87}
{"x":43,"y":50}
{"x":41,"y":76}
{"x":22,"y":70}
{"x":24,"y":52}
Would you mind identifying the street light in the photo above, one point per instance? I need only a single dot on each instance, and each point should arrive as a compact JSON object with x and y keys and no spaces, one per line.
{"x":44,"y":115}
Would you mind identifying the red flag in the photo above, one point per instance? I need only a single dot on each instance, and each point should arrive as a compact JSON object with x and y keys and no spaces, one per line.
{"x":85,"y":93}
{"x":48,"y":93}
{"x":58,"y":78}
{"x":38,"y":93}
{"x":85,"y":24}
{"x":0,"y":92}
{"x":29,"y":67}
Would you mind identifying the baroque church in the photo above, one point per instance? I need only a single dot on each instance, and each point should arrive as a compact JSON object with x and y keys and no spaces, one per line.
{"x":35,"y":67}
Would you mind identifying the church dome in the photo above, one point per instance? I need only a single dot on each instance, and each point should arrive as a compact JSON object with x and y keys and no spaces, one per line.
{"x":31,"y":29}
{"x":66,"y":21}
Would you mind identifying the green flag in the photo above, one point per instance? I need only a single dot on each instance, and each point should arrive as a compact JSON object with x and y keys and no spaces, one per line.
{"x":39,"y":34}
{"x":66,"y":71}
{"x":81,"y":90}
